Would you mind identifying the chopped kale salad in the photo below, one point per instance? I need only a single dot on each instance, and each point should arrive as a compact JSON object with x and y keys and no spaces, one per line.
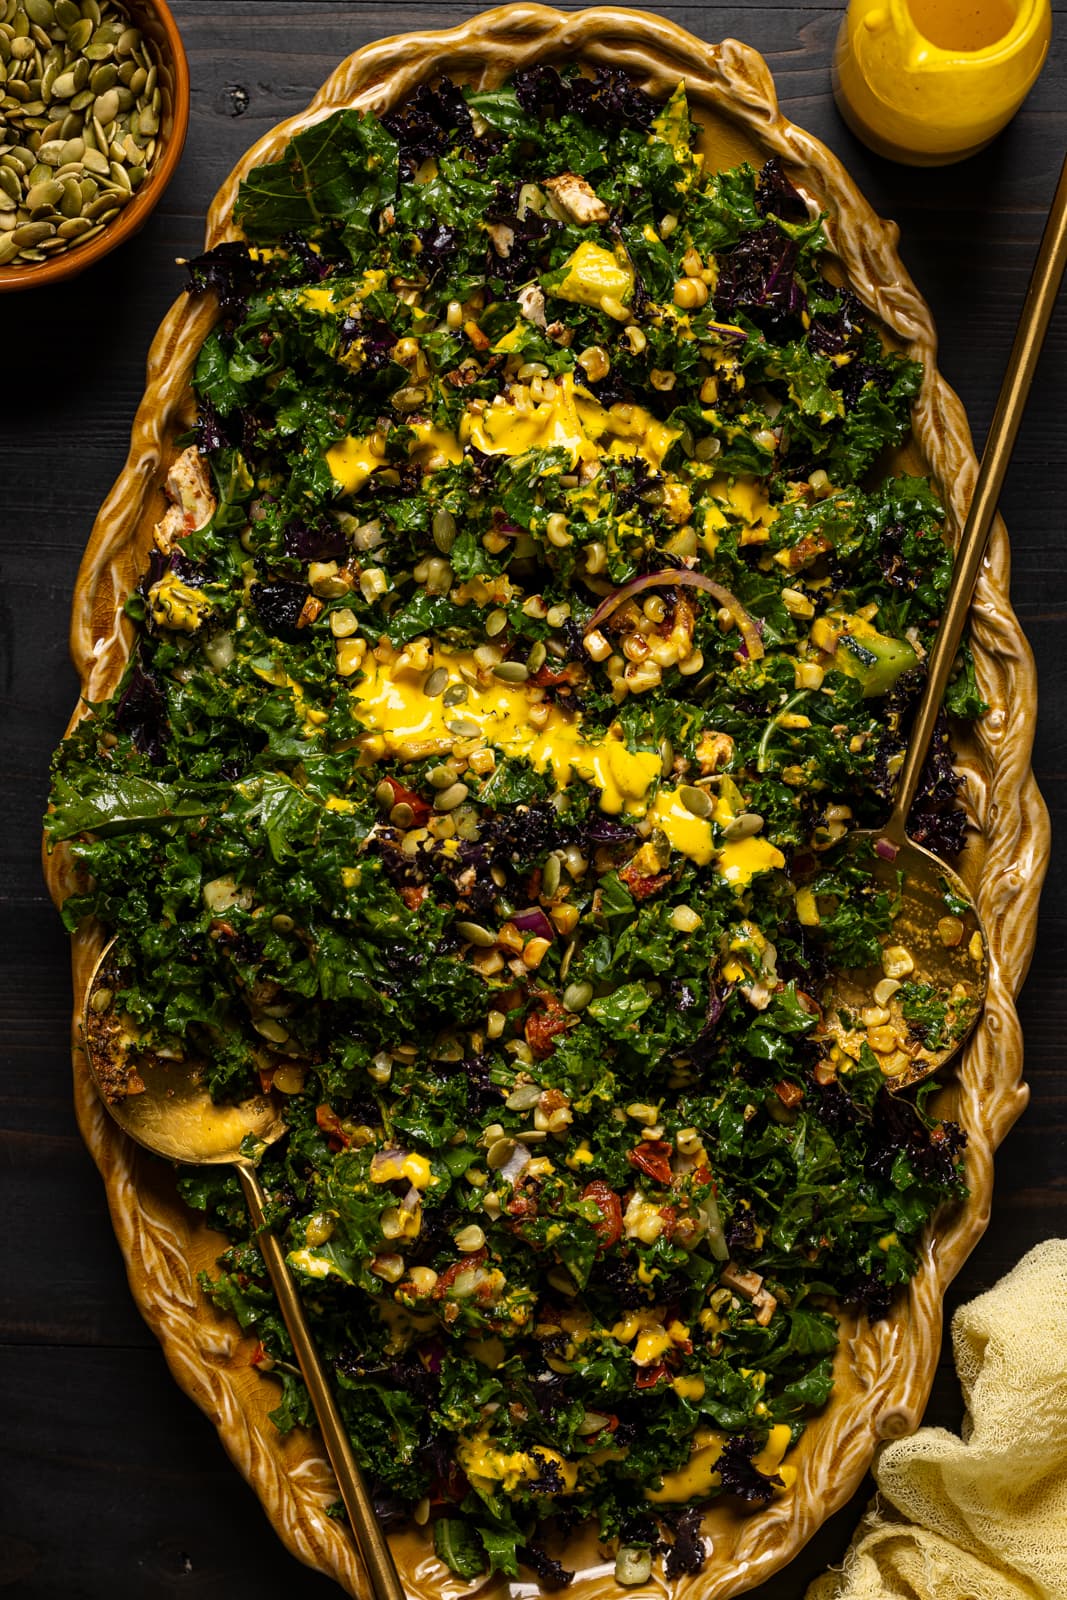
{"x":530,"y":621}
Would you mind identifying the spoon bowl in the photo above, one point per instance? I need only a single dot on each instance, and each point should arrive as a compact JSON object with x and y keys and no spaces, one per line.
{"x":163,"y":1102}
{"x":937,"y":943}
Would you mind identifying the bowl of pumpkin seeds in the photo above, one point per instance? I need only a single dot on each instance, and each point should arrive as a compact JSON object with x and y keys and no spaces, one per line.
{"x":94,"y":108}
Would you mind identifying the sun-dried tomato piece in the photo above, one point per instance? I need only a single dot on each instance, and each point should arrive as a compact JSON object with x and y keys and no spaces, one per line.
{"x":450,"y":1274}
{"x":648,"y":1377}
{"x":413,"y":894}
{"x":419,"y":806}
{"x":609,"y":1225}
{"x":790,"y":1094}
{"x":543,"y":1023}
{"x":640,"y":884}
{"x":654,"y":1157}
{"x":330,"y":1124}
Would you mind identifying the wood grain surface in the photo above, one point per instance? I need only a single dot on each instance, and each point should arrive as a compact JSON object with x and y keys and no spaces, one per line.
{"x":113,"y":1485}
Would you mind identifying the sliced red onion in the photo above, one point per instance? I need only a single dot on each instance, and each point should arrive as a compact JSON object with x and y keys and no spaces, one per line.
{"x":727,"y":330}
{"x":683,"y":577}
{"x":534,"y":921}
{"x":886,"y":849}
{"x":387,"y":1158}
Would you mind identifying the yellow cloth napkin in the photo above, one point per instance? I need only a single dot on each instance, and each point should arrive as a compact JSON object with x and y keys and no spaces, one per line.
{"x":982,"y":1517}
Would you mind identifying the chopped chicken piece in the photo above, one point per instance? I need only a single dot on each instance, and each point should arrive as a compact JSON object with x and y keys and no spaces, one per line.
{"x":746,"y":1284}
{"x":503,"y":238}
{"x":189,"y":485}
{"x":574,"y":196}
{"x":171,"y":526}
{"x":764,"y":1305}
{"x":532,"y":304}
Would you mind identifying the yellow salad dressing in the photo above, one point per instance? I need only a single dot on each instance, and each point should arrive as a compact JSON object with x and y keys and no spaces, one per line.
{"x":932,"y":81}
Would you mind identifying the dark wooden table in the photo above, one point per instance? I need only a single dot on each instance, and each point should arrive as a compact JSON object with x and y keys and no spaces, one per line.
{"x":114,"y":1485}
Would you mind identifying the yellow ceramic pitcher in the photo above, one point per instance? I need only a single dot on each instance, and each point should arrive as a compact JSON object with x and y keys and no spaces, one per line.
{"x":931,"y":81}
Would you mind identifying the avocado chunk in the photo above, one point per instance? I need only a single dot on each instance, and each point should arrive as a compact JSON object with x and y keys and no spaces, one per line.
{"x":872,"y":658}
{"x":591,"y":273}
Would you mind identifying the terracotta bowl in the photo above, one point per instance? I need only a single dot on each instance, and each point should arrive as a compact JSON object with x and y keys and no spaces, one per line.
{"x":883,"y":1372}
{"x":155,"y":21}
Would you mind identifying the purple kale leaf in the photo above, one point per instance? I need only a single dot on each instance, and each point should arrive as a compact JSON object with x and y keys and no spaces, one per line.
{"x":314,"y":539}
{"x":898,"y":1129}
{"x":758,"y":276}
{"x":278,"y":606}
{"x":611,"y":99}
{"x":430,"y":122}
{"x":141,"y":713}
{"x":552,"y":1573}
{"x":739,"y":1475}
{"x":688,"y":1553}
{"x":776,"y":196}
{"x":832,"y":332}
{"x":305,"y":264}
{"x":227,"y":271}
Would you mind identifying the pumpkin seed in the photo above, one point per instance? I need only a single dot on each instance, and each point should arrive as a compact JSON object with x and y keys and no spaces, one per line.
{"x":105,"y":205}
{"x":696,"y":801}
{"x":444,"y":523}
{"x":384,"y":796}
{"x":10,"y":184}
{"x":106,"y":107}
{"x":46,"y":192}
{"x":71,"y":203}
{"x":78,"y":37}
{"x":511,"y":672}
{"x":31,"y":233}
{"x":402,"y":815}
{"x":104,"y":77}
{"x":577,"y":996}
{"x":73,"y":227}
{"x":68,"y":15}
{"x":40,"y":11}
{"x":457,"y":693}
{"x":436,"y":683}
{"x":499,"y":1154}
{"x":474,"y":933}
{"x":8,"y":248}
{"x":444,"y":776}
{"x":449,"y":799}
{"x":550,"y":876}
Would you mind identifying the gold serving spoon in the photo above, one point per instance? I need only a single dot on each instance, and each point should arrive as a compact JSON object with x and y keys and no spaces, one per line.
{"x":164,"y":1106}
{"x":938,"y":930}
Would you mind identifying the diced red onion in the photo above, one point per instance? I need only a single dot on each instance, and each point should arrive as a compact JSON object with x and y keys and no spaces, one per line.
{"x":683,"y":577}
{"x":534,"y":921}
{"x":886,"y":849}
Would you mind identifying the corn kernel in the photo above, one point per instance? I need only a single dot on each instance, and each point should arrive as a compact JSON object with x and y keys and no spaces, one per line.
{"x":896,"y":961}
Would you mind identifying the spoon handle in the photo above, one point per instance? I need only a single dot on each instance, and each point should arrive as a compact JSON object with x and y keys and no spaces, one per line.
{"x":1037,"y":309}
{"x":370,"y":1539}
